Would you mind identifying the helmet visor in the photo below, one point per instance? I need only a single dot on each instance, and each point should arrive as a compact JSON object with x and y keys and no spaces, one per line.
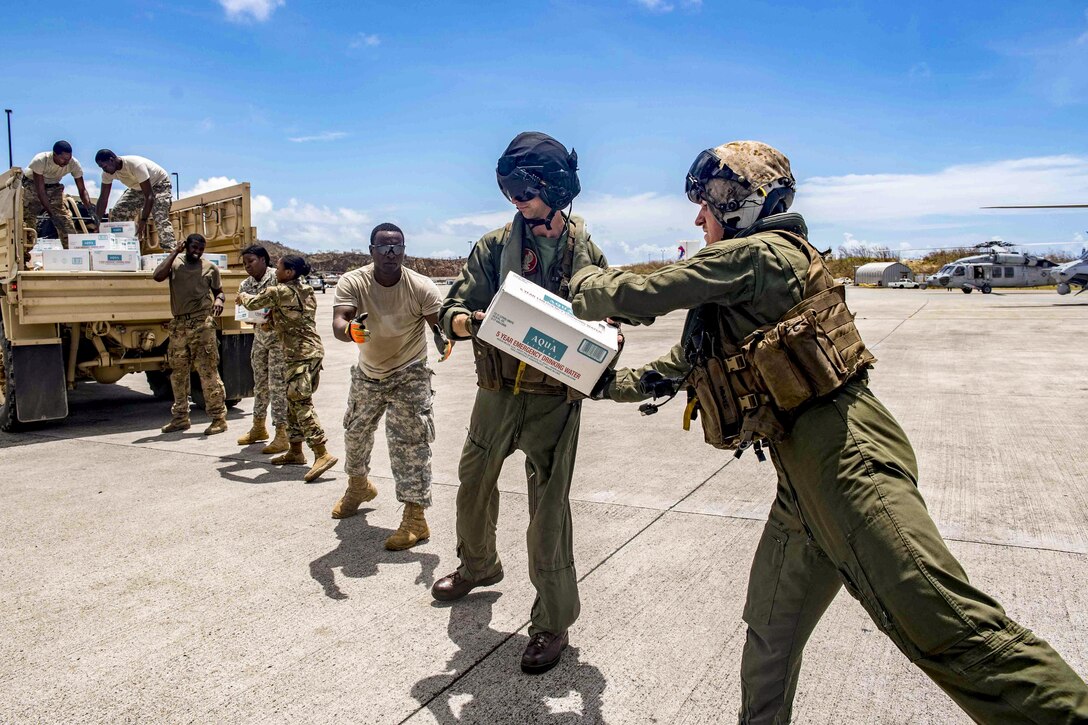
{"x":521,"y":184}
{"x":706,"y":166}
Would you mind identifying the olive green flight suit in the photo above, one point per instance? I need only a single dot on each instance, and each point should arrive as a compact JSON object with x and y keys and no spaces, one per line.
{"x":539,"y":419}
{"x":847,"y":511}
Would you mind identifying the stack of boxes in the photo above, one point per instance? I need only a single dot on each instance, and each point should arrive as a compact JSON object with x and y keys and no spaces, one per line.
{"x":114,"y":249}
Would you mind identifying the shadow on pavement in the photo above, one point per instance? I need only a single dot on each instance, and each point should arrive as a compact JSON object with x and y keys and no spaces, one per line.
{"x":572,"y":692}
{"x":242,"y":470}
{"x":361,"y":551}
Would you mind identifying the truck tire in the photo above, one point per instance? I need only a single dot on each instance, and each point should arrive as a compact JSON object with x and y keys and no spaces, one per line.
{"x":9,"y":422}
{"x":159,"y":381}
{"x":987,"y":289}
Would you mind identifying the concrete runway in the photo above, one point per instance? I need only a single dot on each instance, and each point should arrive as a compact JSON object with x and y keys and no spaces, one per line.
{"x":183,"y":579}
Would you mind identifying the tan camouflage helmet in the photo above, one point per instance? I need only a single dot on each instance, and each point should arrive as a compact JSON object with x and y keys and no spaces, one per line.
{"x":741,"y":181}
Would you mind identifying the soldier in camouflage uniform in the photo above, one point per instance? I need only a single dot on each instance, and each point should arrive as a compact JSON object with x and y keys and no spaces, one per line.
{"x":293,"y":308}
{"x":266,"y":359}
{"x":44,"y":191}
{"x":848,"y":510}
{"x":149,"y":195}
{"x":196,"y":299}
{"x":391,"y":379}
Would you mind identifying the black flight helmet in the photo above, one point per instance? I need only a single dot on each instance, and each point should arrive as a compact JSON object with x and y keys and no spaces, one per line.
{"x":535,"y":164}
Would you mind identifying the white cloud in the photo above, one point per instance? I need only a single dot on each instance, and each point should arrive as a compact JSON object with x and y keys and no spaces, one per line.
{"x":365,"y":40}
{"x":299,"y":224}
{"x":323,"y":136}
{"x":953,"y":191}
{"x":656,"y":6}
{"x":259,"y":10}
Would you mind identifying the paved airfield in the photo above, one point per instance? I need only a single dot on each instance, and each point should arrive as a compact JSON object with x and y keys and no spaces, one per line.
{"x":183,"y":579}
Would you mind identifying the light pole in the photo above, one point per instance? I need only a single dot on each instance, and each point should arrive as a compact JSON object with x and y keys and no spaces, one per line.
{"x":11,"y":159}
{"x":177,"y":184}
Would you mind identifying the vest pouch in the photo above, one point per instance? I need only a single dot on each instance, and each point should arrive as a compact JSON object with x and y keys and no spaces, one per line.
{"x":815,"y":354}
{"x":488,"y":365}
{"x":785,"y":383}
{"x":718,"y":409}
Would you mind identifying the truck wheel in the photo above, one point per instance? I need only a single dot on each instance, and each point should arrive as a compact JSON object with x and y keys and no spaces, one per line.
{"x":967,"y":290}
{"x":8,"y":420}
{"x":987,"y":289}
{"x":160,"y":384}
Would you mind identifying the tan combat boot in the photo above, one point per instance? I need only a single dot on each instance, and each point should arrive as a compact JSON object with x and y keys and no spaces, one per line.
{"x":322,"y":462}
{"x":294,"y":455}
{"x":176,"y":424}
{"x":257,"y":432}
{"x":279,"y":444}
{"x":360,"y":490}
{"x":219,"y":425}
{"x":413,"y":529}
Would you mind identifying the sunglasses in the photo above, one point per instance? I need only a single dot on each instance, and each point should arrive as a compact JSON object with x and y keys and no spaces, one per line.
{"x":387,"y":248}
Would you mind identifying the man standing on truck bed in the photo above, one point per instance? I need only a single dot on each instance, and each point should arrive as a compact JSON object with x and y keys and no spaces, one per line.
{"x":196,"y":299}
{"x":43,"y":190}
{"x":149,"y":193}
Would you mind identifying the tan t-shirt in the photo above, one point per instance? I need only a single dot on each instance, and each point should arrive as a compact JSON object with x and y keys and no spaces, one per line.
{"x":191,"y":286}
{"x":44,"y":165}
{"x":135,"y":170}
{"x":398,"y":332}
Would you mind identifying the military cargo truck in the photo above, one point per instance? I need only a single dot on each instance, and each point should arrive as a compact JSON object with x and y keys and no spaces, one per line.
{"x":60,"y":329}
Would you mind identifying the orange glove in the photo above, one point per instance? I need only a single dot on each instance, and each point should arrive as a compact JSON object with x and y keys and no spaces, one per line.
{"x":445,"y":347}
{"x":357,"y":329}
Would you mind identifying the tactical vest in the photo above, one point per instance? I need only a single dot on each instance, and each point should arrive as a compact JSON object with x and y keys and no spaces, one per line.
{"x":750,"y":390}
{"x":496,"y":369}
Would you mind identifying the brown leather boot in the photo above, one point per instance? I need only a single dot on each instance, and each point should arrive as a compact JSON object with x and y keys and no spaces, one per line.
{"x":294,"y":455}
{"x":176,"y":424}
{"x":219,"y":425}
{"x":413,"y":529}
{"x":322,"y":462}
{"x":280,"y":443}
{"x":257,"y":432}
{"x":360,"y":490}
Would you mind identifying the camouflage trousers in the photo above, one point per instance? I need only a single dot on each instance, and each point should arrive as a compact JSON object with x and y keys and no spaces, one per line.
{"x":193,"y":347}
{"x":302,"y":378}
{"x":269,"y":376}
{"x":131,"y":203}
{"x":32,"y":207}
{"x":405,"y":399}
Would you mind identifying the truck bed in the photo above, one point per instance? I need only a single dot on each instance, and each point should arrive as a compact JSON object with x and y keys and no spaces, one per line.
{"x":66,"y":297}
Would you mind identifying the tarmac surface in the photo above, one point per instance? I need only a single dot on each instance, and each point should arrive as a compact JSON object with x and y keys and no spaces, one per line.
{"x":177,"y":578}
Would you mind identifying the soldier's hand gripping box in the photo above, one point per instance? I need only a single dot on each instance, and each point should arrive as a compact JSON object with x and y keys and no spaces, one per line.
{"x":540,"y":329}
{"x":115,"y":260}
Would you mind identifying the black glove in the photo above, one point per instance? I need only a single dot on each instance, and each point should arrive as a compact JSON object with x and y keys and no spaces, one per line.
{"x":445,"y":347}
{"x":600,"y":389}
{"x":656,"y":385}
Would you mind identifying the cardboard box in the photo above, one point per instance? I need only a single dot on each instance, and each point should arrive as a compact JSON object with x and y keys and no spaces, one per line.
{"x":118,"y":229}
{"x":219,"y":260}
{"x":115,"y":260}
{"x":89,"y":241}
{"x":128,"y":243}
{"x":253,"y":317}
{"x":540,"y":329}
{"x":149,"y":262}
{"x":66,"y":260}
{"x":40,"y":245}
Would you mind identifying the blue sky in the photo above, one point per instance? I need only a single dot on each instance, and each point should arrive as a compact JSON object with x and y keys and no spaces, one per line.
{"x":900,"y":119}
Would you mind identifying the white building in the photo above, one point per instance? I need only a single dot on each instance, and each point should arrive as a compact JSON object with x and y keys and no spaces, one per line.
{"x":881,"y":273}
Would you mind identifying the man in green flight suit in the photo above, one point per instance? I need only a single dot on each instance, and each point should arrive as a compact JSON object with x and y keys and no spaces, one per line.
{"x":770,"y":356}
{"x":518,"y":407}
